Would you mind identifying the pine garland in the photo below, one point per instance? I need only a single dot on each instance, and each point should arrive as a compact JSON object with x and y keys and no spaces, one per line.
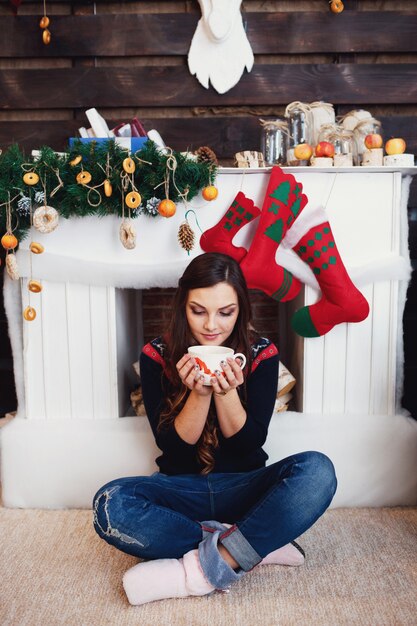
{"x":103,"y":161}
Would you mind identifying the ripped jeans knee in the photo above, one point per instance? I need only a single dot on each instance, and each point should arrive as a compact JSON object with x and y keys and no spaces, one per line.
{"x":108,"y":505}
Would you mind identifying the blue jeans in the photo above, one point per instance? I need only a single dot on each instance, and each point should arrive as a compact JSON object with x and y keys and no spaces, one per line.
{"x":159,"y":516}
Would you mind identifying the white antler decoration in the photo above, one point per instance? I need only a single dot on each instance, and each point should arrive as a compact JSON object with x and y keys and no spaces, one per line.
{"x":220,"y":50}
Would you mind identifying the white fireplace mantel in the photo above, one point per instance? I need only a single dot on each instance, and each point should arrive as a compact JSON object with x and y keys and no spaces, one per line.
{"x":73,"y":363}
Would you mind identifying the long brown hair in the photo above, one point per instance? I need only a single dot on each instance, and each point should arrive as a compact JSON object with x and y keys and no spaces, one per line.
{"x":205,"y":270}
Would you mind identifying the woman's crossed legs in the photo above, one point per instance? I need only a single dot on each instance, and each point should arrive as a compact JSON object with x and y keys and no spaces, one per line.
{"x":166,"y":517}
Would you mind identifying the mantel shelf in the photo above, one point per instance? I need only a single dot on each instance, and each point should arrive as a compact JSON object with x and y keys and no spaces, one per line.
{"x":412,"y":171}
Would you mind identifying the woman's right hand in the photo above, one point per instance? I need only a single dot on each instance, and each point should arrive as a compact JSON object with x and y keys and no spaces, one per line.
{"x":190,"y":374}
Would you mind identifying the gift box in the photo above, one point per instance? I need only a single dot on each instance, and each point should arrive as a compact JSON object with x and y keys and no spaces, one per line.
{"x":130,"y":143}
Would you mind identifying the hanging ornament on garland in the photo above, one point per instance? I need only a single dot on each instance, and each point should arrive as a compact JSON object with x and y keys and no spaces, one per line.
{"x":108,"y":188}
{"x":39,"y":197}
{"x":11,"y":266}
{"x":29,"y":314}
{"x":36,"y":248}
{"x":30,"y":178}
{"x":9,"y":241}
{"x":76,"y":160}
{"x":336,"y":6}
{"x":104,"y":161}
{"x":34,"y":286}
{"x":151,"y":207}
{"x":83,"y":177}
{"x":129,"y":165}
{"x":206,"y":155}
{"x":167,"y":208}
{"x":44,"y":24}
{"x":210,"y":193}
{"x":23,"y":206}
{"x":186,"y":236}
{"x":127,"y":234}
{"x":133,"y":199}
{"x":45,"y":219}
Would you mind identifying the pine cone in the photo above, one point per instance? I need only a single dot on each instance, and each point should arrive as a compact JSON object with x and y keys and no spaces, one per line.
{"x":206,"y":155}
{"x":186,"y":236}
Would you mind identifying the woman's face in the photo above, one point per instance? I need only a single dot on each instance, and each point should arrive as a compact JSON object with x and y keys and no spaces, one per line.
{"x":212,"y":313}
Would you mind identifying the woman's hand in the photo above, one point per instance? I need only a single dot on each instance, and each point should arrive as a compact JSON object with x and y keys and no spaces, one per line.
{"x":189,"y":372}
{"x":231,"y":380}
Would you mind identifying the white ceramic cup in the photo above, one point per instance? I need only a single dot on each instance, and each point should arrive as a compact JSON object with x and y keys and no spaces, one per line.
{"x":208,"y":358}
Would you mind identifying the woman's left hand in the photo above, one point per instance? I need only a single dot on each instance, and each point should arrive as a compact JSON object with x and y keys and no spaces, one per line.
{"x":232,"y":378}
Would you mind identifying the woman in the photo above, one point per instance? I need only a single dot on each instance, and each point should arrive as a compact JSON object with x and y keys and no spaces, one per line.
{"x":214,"y":511}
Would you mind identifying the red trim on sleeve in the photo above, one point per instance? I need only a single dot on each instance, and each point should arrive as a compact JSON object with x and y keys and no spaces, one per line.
{"x":267,"y":353}
{"x":150,"y":351}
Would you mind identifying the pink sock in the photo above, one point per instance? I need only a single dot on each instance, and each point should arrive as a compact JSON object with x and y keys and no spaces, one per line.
{"x":291,"y":554}
{"x":166,"y":578}
{"x":287,"y":555}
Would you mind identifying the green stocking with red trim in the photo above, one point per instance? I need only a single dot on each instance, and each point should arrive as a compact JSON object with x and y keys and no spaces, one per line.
{"x":341,"y":301}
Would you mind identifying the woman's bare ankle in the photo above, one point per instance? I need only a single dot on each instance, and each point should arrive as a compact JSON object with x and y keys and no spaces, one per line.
{"x":226,"y":556}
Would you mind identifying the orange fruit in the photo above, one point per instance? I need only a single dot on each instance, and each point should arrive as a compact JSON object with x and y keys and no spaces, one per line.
{"x":9,"y":241}
{"x":166,"y":208}
{"x":210,"y":193}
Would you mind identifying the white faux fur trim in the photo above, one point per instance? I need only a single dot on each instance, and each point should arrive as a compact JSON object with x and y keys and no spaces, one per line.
{"x":391,"y":267}
{"x":57,"y":268}
{"x":312,"y":215}
{"x":13,"y":307}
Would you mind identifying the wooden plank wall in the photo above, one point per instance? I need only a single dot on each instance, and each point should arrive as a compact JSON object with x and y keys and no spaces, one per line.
{"x":130,"y":59}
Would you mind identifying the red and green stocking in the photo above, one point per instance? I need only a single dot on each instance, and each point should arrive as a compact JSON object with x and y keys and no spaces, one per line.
{"x":282,"y":204}
{"x":341,"y":301}
{"x":219,"y":237}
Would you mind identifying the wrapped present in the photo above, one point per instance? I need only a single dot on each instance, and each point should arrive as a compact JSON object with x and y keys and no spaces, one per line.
{"x":130,"y":143}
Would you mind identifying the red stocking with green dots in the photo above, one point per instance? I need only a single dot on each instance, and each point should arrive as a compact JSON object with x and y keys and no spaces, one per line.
{"x":341,"y":301}
{"x":219,"y":237}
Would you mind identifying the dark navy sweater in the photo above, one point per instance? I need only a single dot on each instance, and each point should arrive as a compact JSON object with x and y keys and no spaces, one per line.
{"x":240,"y":453}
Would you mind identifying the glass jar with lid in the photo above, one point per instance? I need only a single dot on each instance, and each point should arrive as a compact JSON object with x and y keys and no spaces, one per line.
{"x":274,"y":141}
{"x":344,"y":147}
{"x":326,"y":132}
{"x":368,"y":126}
{"x":299,"y":128}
